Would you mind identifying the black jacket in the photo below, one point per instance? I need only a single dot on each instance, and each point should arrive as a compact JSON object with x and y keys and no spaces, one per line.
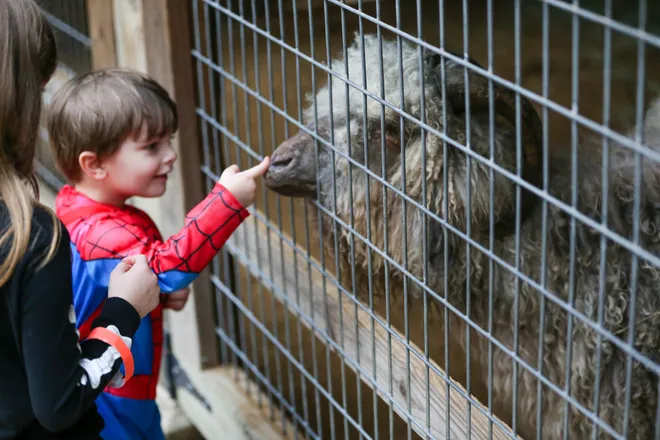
{"x":48,"y":381}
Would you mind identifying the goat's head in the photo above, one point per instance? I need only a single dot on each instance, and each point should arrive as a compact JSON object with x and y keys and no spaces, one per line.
{"x":348,"y":133}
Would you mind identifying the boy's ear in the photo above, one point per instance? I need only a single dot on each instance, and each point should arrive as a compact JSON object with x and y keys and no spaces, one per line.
{"x":91,"y":165}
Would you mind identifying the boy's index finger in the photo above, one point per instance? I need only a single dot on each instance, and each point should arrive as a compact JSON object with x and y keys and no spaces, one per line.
{"x":259,"y":169}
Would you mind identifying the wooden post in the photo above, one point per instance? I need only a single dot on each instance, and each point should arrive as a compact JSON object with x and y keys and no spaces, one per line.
{"x":100,"y":22}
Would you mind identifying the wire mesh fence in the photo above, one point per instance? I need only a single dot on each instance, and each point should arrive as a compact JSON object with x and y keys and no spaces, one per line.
{"x":458,"y":235}
{"x":69,"y":21}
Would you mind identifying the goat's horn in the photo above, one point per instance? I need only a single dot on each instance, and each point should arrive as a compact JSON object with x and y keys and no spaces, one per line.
{"x":505,"y":104}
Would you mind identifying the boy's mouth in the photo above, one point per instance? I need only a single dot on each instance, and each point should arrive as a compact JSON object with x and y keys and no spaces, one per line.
{"x":163,"y":175}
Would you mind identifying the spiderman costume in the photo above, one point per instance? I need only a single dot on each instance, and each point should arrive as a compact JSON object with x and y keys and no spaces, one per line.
{"x":101,"y":236}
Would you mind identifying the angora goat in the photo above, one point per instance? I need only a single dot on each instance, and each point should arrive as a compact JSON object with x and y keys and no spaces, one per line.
{"x":294,"y":172}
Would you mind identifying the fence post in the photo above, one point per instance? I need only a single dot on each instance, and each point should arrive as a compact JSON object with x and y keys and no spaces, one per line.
{"x":100,"y":21}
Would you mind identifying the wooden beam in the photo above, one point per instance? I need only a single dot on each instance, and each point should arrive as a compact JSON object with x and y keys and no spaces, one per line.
{"x":130,"y":36}
{"x":131,"y":40}
{"x":234,"y":414}
{"x":327,"y":308}
{"x":100,"y":21}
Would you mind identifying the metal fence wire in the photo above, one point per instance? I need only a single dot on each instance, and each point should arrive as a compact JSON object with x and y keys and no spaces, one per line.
{"x":70,"y":28}
{"x":459,"y":234}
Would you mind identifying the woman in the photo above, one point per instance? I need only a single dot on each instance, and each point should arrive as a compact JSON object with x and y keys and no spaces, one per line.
{"x":48,"y":381}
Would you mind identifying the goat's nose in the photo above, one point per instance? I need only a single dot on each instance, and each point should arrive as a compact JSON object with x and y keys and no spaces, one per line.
{"x":280,"y":162}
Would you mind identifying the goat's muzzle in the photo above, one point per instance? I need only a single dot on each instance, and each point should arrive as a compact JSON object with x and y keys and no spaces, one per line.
{"x":292,"y":172}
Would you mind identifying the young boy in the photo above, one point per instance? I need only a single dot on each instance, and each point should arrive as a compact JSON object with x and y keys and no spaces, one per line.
{"x":110,"y":134}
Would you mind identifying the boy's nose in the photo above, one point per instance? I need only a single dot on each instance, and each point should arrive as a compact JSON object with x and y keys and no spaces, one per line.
{"x":170,"y":156}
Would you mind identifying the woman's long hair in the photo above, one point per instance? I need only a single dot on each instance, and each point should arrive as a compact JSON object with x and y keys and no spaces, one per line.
{"x":25,"y":44}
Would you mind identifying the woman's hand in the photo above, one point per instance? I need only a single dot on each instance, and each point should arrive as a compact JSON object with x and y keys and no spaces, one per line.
{"x":134,"y":281}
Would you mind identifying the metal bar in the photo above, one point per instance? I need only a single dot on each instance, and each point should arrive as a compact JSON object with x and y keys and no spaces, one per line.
{"x":47,"y":176}
{"x":258,"y":374}
{"x":544,"y":225}
{"x":285,"y":96}
{"x":232,"y":269}
{"x":260,"y":143}
{"x":468,"y":204}
{"x":588,"y":123}
{"x":617,"y":238}
{"x":421,"y":357}
{"x":445,"y":203}
{"x":368,"y":213}
{"x":491,"y":194}
{"x":206,"y":154}
{"x":267,"y":16}
{"x":425,"y":257}
{"x":607,"y":62}
{"x":330,"y":342}
{"x":338,"y":407}
{"x":315,"y":108}
{"x":328,"y":52}
{"x":503,"y":264}
{"x":352,"y":223}
{"x":248,"y":137}
{"x":287,"y":354}
{"x":70,"y":20}
{"x":637,"y":197}
{"x":385,"y":224}
{"x":606,"y":21}
{"x":68,"y":30}
{"x":301,"y":351}
{"x":575,"y":28}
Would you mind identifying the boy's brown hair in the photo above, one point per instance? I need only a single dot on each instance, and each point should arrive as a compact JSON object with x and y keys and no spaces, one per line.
{"x":97,"y":111}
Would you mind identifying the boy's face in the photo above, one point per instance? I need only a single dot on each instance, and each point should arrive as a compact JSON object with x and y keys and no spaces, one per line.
{"x":140,"y":168}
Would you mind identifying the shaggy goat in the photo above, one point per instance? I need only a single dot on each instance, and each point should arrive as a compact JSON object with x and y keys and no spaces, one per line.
{"x":293,"y":172}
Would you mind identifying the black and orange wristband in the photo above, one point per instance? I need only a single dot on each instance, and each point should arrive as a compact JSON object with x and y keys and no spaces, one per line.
{"x":114,"y":340}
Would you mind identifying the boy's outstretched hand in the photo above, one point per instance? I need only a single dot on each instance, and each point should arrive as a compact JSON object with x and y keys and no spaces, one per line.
{"x":242,"y":183}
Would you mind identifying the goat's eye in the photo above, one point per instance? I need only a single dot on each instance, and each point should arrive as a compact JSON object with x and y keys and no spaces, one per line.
{"x":392,"y":139}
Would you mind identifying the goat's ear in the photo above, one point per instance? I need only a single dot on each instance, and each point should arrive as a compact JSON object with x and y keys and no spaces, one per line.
{"x":504,"y":101}
{"x":432,"y":62}
{"x":441,"y":243}
{"x":438,"y":246}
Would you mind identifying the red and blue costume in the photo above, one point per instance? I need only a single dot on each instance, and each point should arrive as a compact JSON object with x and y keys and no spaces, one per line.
{"x":101,"y":236}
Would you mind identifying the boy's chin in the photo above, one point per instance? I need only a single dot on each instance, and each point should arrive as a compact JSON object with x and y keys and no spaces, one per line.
{"x":153,"y":191}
